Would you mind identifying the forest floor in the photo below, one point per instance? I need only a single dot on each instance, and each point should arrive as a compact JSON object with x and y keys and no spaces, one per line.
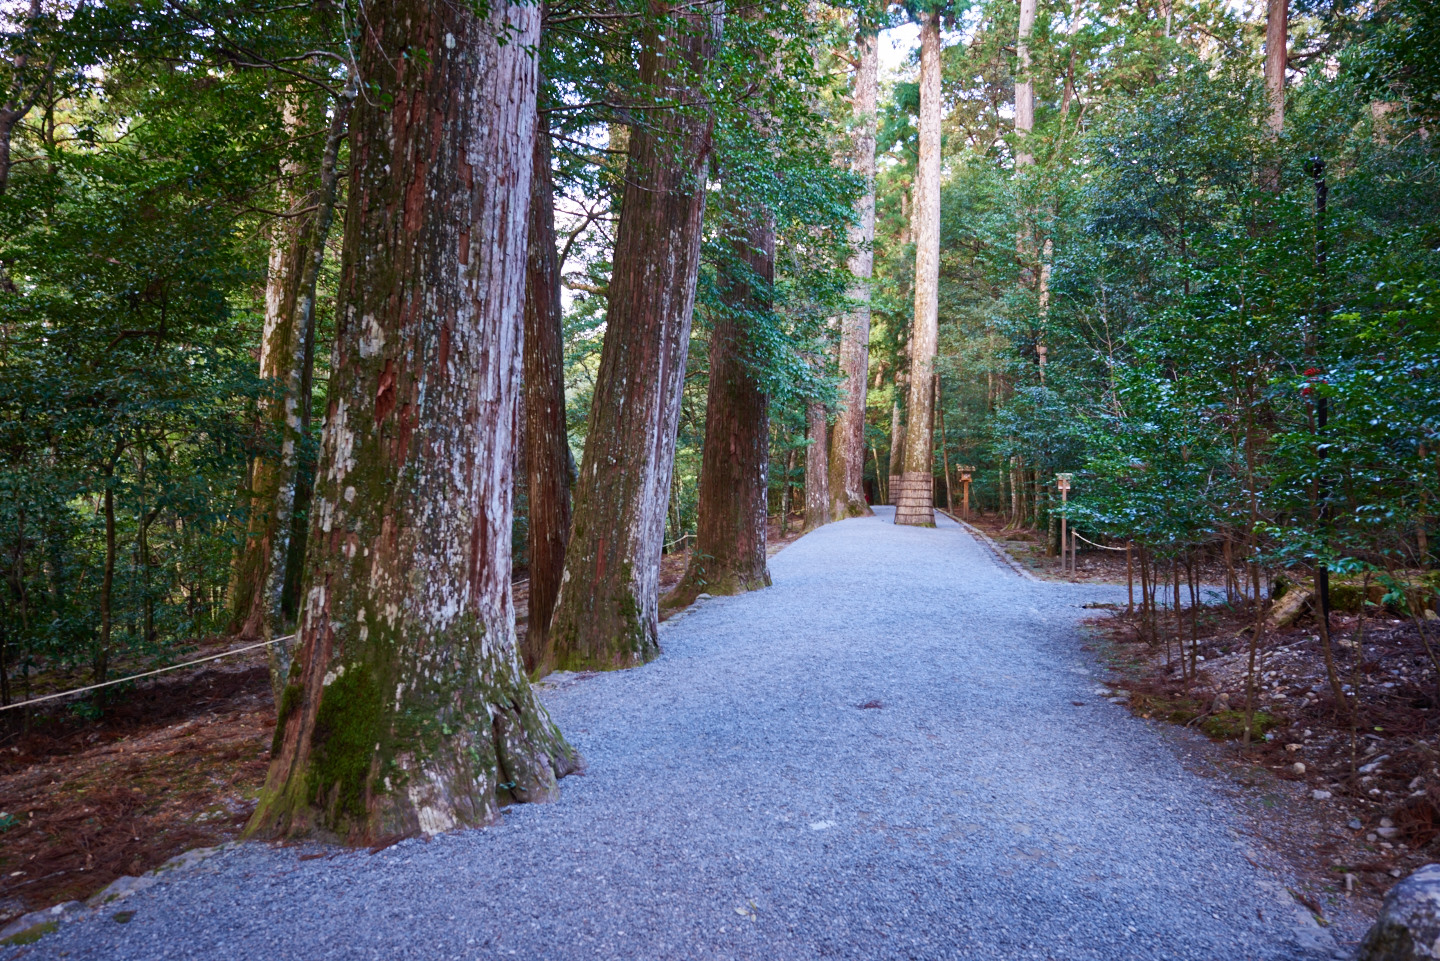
{"x":173,"y":764}
{"x":1367,"y":811}
{"x":896,"y":751}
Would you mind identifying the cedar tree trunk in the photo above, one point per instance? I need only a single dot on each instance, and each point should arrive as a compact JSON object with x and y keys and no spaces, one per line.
{"x":817,"y":474}
{"x":729,"y":554}
{"x":1277,"y":42}
{"x":607,"y":614}
{"x":407,"y":710}
{"x":296,"y":255}
{"x":915,"y":500}
{"x":847,"y":437}
{"x":546,"y":440}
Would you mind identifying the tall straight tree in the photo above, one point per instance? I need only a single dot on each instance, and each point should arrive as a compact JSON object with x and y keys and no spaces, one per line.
{"x":1277,"y":43}
{"x":407,"y":710}
{"x":1025,"y":237}
{"x":729,"y":554}
{"x":847,"y":437}
{"x":817,"y":468}
{"x":915,"y":500}
{"x":286,"y":355}
{"x":547,"y":444}
{"x":1024,"y":88}
{"x":607,"y":614}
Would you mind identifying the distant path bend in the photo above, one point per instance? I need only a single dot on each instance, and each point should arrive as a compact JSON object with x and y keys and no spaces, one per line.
{"x":879,"y":757}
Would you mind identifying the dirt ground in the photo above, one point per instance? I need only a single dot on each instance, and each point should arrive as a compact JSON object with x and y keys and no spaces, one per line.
{"x":174,"y":764}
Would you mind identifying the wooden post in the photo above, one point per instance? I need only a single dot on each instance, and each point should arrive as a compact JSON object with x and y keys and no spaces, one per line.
{"x":966,"y":473}
{"x":944,"y":449}
{"x":1062,"y":481}
{"x":1130,"y":577}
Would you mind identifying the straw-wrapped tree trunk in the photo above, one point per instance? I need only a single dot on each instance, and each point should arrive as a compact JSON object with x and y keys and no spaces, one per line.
{"x":407,"y":710}
{"x":914,"y":498}
{"x":607,"y":614}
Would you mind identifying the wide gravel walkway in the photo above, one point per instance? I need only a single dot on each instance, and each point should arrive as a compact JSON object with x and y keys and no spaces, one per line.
{"x":879,"y":757}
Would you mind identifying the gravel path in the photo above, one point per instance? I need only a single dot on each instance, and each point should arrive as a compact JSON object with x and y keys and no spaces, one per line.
{"x":877,"y":758}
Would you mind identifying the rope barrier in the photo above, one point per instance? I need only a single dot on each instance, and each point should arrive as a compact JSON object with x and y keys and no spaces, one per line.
{"x":1093,"y":544}
{"x":159,"y":670}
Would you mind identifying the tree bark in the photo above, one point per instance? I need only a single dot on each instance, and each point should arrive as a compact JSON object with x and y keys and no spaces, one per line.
{"x":1277,"y":42}
{"x":915,"y":503}
{"x":817,"y":470}
{"x":1024,"y":87}
{"x":847,"y":437}
{"x":296,"y":255}
{"x":546,"y":438}
{"x":407,"y":710}
{"x":607,"y":614}
{"x":20,"y":101}
{"x":897,"y":445}
{"x":729,"y":554}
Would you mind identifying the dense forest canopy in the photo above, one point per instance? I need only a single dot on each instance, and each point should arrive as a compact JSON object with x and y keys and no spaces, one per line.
{"x":1186,"y":252}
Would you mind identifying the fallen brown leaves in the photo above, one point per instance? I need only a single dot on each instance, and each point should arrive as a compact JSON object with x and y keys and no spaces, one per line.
{"x":172,"y":766}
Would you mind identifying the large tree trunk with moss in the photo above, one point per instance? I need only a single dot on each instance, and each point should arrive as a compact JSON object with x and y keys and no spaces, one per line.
{"x":546,"y":441}
{"x":607,"y":615}
{"x":286,"y":358}
{"x":847,"y":437}
{"x":729,"y":553}
{"x":407,"y":710}
{"x":915,"y":498}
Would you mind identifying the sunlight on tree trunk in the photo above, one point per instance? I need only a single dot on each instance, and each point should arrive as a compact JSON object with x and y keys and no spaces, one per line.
{"x":286,"y":357}
{"x":915,"y":499}
{"x":1277,"y":42}
{"x":847,"y":437}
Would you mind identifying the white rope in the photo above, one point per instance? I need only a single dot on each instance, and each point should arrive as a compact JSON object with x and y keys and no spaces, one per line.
{"x":158,"y":670}
{"x":1093,"y":544}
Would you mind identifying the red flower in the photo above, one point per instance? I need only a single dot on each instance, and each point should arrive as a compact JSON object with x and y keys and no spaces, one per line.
{"x":1306,"y":391}
{"x":1312,"y":372}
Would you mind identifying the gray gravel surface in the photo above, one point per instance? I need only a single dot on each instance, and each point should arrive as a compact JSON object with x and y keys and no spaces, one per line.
{"x":742,"y":802}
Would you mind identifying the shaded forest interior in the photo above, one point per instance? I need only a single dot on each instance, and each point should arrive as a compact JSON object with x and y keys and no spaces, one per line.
{"x":331,"y":334}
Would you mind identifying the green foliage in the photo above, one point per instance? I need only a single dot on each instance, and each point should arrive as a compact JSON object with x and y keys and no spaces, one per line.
{"x":1198,"y":309}
{"x":132,"y":265}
